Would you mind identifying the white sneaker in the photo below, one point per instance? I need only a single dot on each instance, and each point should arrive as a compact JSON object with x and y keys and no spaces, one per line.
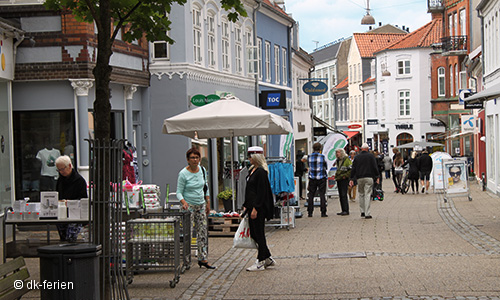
{"x":269,"y":262}
{"x":257,"y":266}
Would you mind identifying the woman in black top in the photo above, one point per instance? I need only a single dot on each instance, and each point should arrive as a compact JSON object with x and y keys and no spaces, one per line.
{"x":259,"y":206}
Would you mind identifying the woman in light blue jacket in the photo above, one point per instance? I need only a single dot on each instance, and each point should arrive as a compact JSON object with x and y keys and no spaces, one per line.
{"x":192,"y":192}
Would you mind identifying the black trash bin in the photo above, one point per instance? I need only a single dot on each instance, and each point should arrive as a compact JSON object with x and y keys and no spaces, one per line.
{"x":72,"y":270}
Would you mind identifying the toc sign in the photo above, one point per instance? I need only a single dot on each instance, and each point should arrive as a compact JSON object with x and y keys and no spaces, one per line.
{"x":273,"y":100}
{"x":315,"y":88}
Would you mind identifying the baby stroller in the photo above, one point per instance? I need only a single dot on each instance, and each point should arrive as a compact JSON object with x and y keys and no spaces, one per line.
{"x":405,"y":182}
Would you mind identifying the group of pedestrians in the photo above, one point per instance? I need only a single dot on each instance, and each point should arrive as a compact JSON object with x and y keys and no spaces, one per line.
{"x":419,"y":167}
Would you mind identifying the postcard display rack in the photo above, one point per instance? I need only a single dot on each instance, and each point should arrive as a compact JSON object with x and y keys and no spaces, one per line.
{"x":153,"y":244}
{"x":456,"y":179}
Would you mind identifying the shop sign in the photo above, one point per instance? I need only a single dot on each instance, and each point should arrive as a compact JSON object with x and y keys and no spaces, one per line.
{"x":476,"y":105}
{"x":317,"y":131}
{"x":372,"y":122}
{"x":6,"y":58}
{"x":273,"y":99}
{"x":354,"y":126}
{"x":315,"y":88}
{"x":200,"y":100}
{"x":404,"y":126}
{"x":462,"y":94}
{"x":468,"y":123}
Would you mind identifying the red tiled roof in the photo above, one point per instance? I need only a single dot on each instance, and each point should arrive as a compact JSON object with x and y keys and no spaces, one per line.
{"x":343,"y":84}
{"x":277,"y":8}
{"x":369,"y":43}
{"x":369,"y":80}
{"x":425,"y":36}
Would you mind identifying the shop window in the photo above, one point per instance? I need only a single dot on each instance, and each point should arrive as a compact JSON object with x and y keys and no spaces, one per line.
{"x":404,"y":138}
{"x":39,"y":138}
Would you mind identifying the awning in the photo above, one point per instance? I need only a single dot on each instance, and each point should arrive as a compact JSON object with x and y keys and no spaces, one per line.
{"x":350,"y":134}
{"x":457,"y":135}
{"x":325,"y":124}
{"x":487,"y":94}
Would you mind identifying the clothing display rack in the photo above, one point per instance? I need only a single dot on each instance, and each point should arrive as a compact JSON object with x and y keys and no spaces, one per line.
{"x":281,"y":193}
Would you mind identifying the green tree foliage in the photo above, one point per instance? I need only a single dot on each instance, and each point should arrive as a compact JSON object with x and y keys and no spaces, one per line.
{"x":135,"y":19}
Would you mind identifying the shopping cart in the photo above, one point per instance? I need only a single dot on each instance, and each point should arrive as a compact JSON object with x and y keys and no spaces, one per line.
{"x":153,"y":244}
{"x":184,"y":235}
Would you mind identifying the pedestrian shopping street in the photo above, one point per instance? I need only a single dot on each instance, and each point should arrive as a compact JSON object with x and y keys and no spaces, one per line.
{"x":416,"y":246}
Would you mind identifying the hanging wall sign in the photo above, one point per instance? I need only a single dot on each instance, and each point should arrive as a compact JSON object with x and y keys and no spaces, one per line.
{"x":200,"y":100}
{"x":315,"y":88}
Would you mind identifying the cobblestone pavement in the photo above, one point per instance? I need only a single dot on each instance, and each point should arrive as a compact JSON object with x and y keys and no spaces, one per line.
{"x":415,"y":247}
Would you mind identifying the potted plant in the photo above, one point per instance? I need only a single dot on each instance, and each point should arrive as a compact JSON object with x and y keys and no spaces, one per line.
{"x":227,"y":199}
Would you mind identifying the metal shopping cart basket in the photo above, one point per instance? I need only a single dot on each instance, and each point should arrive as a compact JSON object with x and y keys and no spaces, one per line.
{"x":184,"y":233}
{"x":153,"y":244}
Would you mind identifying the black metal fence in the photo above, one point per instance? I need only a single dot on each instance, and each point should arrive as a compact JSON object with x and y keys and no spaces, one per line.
{"x":106,"y":228}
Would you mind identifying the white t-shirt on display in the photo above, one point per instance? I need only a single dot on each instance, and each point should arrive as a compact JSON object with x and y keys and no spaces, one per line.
{"x":48,"y":159}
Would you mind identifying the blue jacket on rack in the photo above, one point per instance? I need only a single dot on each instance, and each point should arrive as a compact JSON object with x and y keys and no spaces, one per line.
{"x":281,"y":177}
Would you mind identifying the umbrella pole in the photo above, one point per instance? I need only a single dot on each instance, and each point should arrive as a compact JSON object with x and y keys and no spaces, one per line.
{"x":232,"y":174}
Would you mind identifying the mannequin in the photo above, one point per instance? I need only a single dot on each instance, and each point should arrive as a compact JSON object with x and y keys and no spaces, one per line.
{"x":48,"y":172}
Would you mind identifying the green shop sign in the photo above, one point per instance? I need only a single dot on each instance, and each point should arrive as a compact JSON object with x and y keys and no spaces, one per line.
{"x":200,"y":100}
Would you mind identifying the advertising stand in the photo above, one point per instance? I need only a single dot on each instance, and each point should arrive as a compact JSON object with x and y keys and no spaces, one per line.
{"x":455,"y":178}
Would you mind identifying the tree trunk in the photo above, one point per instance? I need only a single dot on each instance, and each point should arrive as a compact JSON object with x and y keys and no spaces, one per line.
{"x":102,"y":118}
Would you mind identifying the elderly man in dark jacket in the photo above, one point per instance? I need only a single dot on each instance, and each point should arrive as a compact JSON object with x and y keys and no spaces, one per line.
{"x":70,"y":186}
{"x":364,"y":171}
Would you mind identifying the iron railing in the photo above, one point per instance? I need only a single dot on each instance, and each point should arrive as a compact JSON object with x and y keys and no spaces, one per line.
{"x":106,"y":228}
{"x":454,"y":43}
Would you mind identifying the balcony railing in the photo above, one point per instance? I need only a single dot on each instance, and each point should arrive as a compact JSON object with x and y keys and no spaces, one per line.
{"x":435,"y":5}
{"x":454,"y":44}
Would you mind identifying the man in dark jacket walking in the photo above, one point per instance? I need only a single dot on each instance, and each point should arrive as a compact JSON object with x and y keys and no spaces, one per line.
{"x":424,"y":165}
{"x":365,"y":171}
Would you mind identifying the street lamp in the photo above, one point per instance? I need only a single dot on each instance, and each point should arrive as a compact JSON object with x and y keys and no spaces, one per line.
{"x":368,"y":19}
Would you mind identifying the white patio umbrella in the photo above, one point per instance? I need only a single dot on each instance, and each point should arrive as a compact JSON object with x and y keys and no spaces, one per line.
{"x":422,"y":144}
{"x":227,"y":117}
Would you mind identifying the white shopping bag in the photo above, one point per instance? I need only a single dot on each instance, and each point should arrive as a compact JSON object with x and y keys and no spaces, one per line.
{"x":242,"y":237}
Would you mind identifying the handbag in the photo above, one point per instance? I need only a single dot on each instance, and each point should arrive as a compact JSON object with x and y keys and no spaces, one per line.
{"x":242,"y":237}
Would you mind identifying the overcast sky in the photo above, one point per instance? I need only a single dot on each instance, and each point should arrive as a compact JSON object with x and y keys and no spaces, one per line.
{"x":325,"y":21}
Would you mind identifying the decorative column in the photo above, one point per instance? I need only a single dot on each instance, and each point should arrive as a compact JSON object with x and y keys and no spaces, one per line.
{"x":81,"y":87}
{"x":129,"y":91}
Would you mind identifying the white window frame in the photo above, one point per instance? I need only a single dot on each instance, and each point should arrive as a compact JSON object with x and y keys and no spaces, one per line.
{"x":404,"y":103}
{"x":463,"y":25}
{"x":452,"y":90}
{"x":259,"y":57}
{"x":456,"y":79}
{"x":197,"y":34}
{"x":211,"y":40}
{"x":225,"y":40}
{"x":238,"y":49}
{"x":404,"y":67}
{"x":441,"y":74}
{"x":284,"y":69}
{"x":463,"y":79}
{"x":276,"y":64}
{"x":268,"y":61}
{"x":166,"y":53}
